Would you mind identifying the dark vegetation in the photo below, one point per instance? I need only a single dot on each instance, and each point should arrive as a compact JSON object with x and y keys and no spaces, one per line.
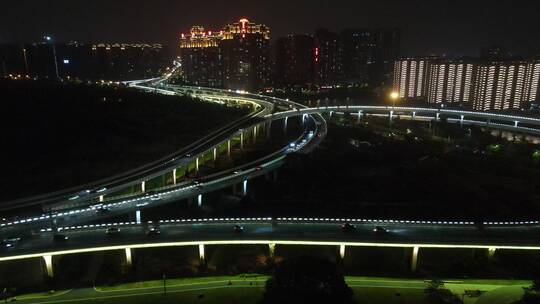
{"x":56,"y":136}
{"x":412,"y":170}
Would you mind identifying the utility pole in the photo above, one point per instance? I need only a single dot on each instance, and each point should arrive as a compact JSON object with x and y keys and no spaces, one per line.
{"x":164,"y":285}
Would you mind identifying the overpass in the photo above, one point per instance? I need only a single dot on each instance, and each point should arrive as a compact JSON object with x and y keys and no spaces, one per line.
{"x":272,"y":232}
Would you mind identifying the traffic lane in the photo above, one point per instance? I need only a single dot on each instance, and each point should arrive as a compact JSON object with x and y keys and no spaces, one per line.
{"x":87,"y":238}
{"x":166,"y":196}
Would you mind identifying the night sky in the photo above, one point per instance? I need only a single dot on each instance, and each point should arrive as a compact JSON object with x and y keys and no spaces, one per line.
{"x":454,"y":28}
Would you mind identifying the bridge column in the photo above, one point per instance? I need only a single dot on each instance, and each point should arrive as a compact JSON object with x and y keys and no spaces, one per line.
{"x":138,"y":216}
{"x":491,"y":252}
{"x":275,"y":175}
{"x":413,"y":115}
{"x":331,"y":112}
{"x":391,"y":115}
{"x":414,"y":258}
{"x":516,"y":124}
{"x":269,"y":129}
{"x":241,"y":140}
{"x":285,"y":124}
{"x":229,"y":148}
{"x":101,"y":198}
{"x":199,"y":200}
{"x":202,"y":260}
{"x":174,"y":176}
{"x":197,"y":164}
{"x":215,"y":154}
{"x":271,"y":250}
{"x":129,"y":261}
{"x":437,"y":116}
{"x":359,"y":118}
{"x":461,"y":118}
{"x":48,"y":265}
{"x":255,"y":134}
{"x":143,"y":186}
{"x":342,"y":251}
{"x":244,"y":187}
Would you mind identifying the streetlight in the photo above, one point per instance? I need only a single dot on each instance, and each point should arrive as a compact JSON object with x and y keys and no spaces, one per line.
{"x":48,"y":39}
{"x":394,"y":96}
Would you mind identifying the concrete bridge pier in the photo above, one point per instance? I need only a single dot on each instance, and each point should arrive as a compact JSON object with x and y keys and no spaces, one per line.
{"x":255,"y":134}
{"x":491,"y":253}
{"x":196,"y":164}
{"x":199,"y":200}
{"x":129,"y":261}
{"x":202,"y":260}
{"x":268,"y":129}
{"x":342,"y":251}
{"x":138,"y":216}
{"x":143,"y":186}
{"x":516,"y":124}
{"x":414,"y":258}
{"x":215,"y":154}
{"x":413,"y":115}
{"x":271,"y":250}
{"x":461,"y":118}
{"x":229,"y":148}
{"x":244,"y":187}
{"x":285,"y":124}
{"x":48,"y":265}
{"x":174,"y":176}
{"x":241,"y":140}
{"x":359,"y":118}
{"x":437,"y":116}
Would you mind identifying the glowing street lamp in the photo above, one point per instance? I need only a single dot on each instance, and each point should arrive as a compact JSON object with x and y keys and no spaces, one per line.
{"x":394,"y":96}
{"x":48,"y":39}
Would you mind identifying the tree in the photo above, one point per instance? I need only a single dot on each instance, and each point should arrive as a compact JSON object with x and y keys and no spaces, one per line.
{"x":307,"y":280}
{"x":437,"y":294}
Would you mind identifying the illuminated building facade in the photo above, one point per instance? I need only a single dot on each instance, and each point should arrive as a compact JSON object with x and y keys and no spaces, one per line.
{"x":245,"y":51}
{"x":503,"y":85}
{"x":236,"y":57}
{"x":200,"y":57}
{"x":410,"y":76}
{"x":450,"y":81}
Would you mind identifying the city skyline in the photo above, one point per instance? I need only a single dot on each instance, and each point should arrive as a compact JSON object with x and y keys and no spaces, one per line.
{"x":425,"y":26}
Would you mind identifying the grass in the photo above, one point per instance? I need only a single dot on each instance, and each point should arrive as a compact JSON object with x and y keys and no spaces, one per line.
{"x":230,"y":294}
{"x":45,"y":294}
{"x":216,"y":290}
{"x":181,"y":281}
{"x":388,"y":295}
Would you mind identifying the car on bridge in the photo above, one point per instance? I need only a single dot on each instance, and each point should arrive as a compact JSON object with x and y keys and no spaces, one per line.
{"x":379,"y":230}
{"x":10,"y":242}
{"x":348,"y":227}
{"x":60,"y":237}
{"x":238,"y":229}
{"x":112,"y":230}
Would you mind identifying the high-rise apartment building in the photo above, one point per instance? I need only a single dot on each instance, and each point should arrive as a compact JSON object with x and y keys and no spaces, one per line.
{"x":502,"y":85}
{"x":410,"y":76}
{"x":327,"y":61}
{"x":450,"y":81}
{"x":245,"y":51}
{"x":236,"y":57}
{"x":294,"y":61}
{"x":200,"y":57}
